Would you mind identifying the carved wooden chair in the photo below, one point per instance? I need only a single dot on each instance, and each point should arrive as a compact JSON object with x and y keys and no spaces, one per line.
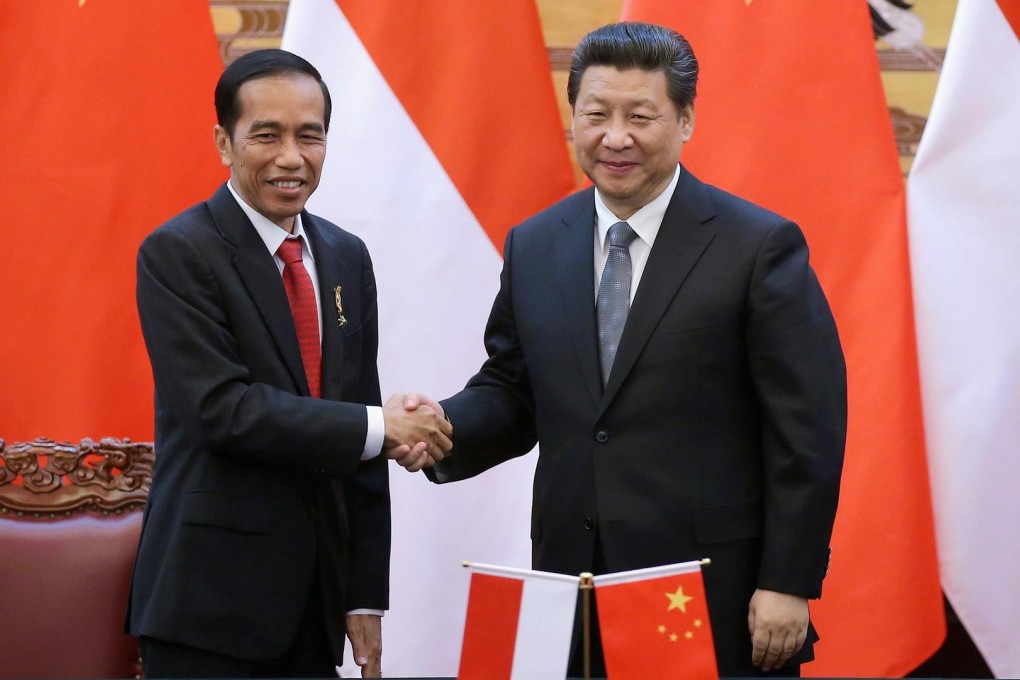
{"x":69,"y":523}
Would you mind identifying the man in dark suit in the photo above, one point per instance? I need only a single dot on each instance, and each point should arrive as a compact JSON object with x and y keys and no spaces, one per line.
{"x":707,"y":420}
{"x":267,"y":532}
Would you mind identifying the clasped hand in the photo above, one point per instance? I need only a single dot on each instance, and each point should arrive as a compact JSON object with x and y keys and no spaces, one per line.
{"x":417,"y":432}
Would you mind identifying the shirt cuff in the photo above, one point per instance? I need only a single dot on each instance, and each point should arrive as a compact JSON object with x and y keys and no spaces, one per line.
{"x":376,"y":433}
{"x":370,"y":612}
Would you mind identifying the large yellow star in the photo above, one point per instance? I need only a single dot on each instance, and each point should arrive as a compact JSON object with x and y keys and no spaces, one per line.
{"x":678,"y":600}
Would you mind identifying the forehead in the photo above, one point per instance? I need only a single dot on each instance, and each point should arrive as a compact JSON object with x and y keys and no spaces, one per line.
{"x":281,"y":96}
{"x":600,"y":83}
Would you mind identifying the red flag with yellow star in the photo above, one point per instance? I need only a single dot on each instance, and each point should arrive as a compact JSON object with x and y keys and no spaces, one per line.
{"x":107,"y":123}
{"x":791,"y":114}
{"x":661,"y":611}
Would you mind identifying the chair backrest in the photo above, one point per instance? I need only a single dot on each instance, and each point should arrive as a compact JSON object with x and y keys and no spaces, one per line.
{"x":70,"y":516}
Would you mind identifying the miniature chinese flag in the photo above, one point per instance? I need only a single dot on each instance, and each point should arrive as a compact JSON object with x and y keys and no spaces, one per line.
{"x":654,"y":624}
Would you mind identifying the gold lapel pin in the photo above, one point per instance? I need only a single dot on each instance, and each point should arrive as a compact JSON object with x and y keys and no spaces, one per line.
{"x":340,"y":318}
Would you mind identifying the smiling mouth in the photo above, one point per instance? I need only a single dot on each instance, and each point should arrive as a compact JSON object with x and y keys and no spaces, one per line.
{"x":287,"y":184}
{"x":618,"y":165}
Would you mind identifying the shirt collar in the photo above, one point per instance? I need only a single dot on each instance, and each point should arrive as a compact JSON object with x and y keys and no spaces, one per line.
{"x":271,"y":233}
{"x":645,"y":222}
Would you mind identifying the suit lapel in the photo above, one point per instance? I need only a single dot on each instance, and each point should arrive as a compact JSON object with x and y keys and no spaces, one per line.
{"x":681,"y":240}
{"x":332,"y":272}
{"x":260,"y":275}
{"x":576,"y":274}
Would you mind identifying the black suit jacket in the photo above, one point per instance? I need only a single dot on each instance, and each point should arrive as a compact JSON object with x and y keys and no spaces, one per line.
{"x":721,"y":430}
{"x":257,"y":487}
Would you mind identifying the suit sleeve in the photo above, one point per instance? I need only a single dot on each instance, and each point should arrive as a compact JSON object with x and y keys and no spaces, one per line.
{"x":367,"y":492}
{"x":494,"y":416}
{"x":799,"y":374}
{"x":202,"y":380}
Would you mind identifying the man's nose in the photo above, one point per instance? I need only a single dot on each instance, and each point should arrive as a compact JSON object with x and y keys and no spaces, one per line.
{"x":617,"y":136}
{"x":290,"y":154}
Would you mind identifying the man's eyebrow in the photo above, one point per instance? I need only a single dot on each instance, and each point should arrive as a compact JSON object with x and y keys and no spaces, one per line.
{"x":603,"y":101}
{"x":264,"y":124}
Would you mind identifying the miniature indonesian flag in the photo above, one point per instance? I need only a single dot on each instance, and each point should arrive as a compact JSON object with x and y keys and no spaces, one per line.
{"x":519,"y":624}
{"x":654,"y":623}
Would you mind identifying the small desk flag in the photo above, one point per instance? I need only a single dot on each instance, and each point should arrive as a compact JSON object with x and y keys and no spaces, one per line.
{"x":654,"y":624}
{"x":518,"y":626}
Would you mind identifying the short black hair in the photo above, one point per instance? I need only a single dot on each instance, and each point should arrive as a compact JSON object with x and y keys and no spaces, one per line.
{"x":633,"y":44}
{"x":255,"y":65}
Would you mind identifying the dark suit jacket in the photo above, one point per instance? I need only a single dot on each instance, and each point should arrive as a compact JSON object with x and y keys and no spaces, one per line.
{"x":257,"y":487}
{"x":721,"y":431}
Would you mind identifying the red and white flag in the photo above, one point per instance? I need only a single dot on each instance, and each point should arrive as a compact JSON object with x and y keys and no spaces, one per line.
{"x":445,"y":133}
{"x":964,"y":217}
{"x":518,"y":624}
{"x":654,"y":623}
{"x":791,"y":114}
{"x":107,"y":121}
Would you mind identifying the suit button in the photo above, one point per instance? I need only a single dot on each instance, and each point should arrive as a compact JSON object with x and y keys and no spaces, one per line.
{"x":601,"y":436}
{"x":588,"y":523}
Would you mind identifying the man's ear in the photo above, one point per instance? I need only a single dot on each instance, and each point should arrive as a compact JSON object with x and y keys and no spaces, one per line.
{"x":687,"y":125}
{"x":222,"y":139}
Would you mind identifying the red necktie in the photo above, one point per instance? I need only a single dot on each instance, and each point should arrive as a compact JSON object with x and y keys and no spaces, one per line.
{"x":301,"y":295}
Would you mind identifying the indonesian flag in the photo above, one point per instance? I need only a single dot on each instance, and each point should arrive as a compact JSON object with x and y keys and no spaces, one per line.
{"x":445,"y":133}
{"x":107,"y":122}
{"x":654,"y":623}
{"x":791,"y":115}
{"x":518,"y":624}
{"x":965,"y":247}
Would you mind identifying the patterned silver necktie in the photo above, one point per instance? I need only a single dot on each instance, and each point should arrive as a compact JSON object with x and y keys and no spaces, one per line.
{"x":613,"y":301}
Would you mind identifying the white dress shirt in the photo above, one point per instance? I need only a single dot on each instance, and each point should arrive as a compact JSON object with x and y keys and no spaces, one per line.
{"x":273,"y":235}
{"x":645,"y":223}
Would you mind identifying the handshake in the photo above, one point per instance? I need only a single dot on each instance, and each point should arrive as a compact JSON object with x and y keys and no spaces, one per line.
{"x":417,"y":432}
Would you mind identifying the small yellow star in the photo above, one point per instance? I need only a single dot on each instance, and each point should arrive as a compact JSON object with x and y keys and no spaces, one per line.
{"x":689,"y":635}
{"x":697,"y":623}
{"x":678,"y":600}
{"x":662,"y":629}
{"x":673,"y":637}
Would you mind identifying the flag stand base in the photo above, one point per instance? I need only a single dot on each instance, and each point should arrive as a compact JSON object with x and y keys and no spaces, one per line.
{"x":586,"y":587}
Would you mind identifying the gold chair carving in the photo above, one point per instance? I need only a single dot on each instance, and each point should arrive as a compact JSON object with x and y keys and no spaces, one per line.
{"x":70,"y":516}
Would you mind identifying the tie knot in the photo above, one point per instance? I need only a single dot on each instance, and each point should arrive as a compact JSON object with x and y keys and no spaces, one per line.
{"x":290,"y":250}
{"x":620,"y":234}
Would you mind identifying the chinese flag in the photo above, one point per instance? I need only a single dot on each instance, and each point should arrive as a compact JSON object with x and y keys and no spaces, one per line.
{"x":791,"y":114}
{"x":654,"y":624}
{"x":107,"y":124}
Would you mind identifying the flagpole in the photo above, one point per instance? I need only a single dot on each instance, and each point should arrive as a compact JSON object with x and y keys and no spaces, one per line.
{"x":586,"y":587}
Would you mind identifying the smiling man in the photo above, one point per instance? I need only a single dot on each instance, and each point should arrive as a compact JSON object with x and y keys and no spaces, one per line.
{"x":669,"y":348}
{"x":267,"y":530}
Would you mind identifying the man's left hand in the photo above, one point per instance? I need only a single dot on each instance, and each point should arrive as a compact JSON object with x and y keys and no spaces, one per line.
{"x":778,"y":623}
{"x":365,"y":634}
